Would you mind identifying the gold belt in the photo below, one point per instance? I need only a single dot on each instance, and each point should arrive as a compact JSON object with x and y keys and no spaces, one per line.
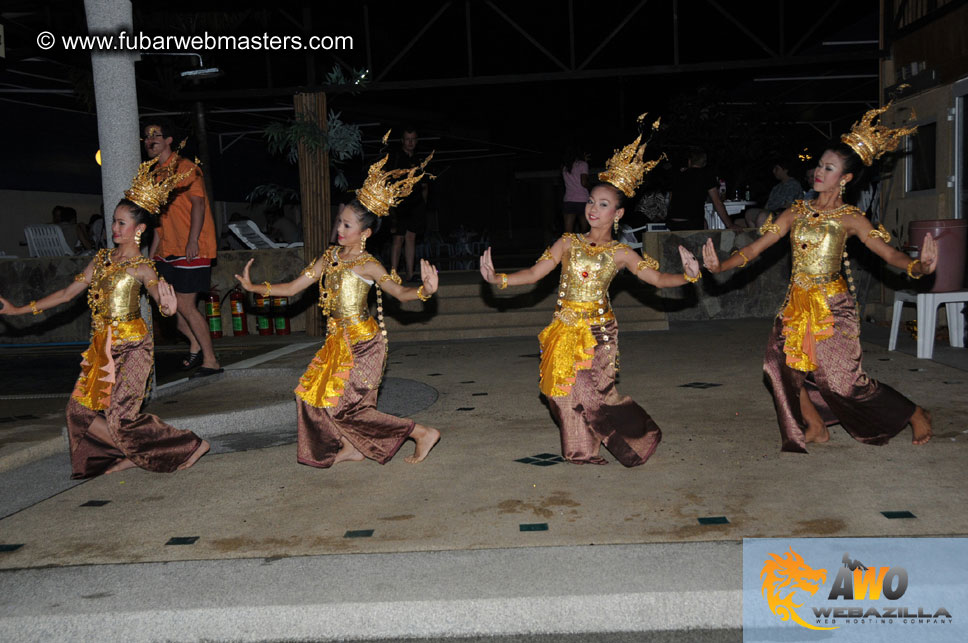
{"x":346,"y":322}
{"x":574,"y":312}
{"x":99,"y":323}
{"x":807,"y":281}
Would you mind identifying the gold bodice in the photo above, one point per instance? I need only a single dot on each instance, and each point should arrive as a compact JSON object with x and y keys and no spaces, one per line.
{"x":114,"y":294}
{"x":818,"y":239}
{"x":342,"y":292}
{"x":587,"y":270}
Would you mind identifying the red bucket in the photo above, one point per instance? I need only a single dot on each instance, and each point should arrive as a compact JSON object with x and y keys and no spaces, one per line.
{"x":952,"y":238}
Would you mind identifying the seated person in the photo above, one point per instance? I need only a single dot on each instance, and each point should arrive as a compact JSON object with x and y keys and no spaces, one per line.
{"x":781,"y":196}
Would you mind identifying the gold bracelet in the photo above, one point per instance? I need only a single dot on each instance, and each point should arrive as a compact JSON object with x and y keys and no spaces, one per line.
{"x":34,"y":309}
{"x":692,"y":280}
{"x":746,"y":259}
{"x":151,"y":282}
{"x":504,"y":280}
{"x":420,"y":294}
{"x":268,"y":292}
{"x":910,"y":270}
{"x":163,"y":313}
{"x":80,"y":277}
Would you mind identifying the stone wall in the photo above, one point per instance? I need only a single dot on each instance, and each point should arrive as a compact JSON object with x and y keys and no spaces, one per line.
{"x":755,"y":291}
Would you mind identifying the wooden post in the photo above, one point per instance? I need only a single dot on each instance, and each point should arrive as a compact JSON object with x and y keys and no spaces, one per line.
{"x":314,"y":195}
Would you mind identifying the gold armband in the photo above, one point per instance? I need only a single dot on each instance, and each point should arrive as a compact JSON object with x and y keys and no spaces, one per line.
{"x":879,"y":233}
{"x":34,"y":309}
{"x":545,"y":255}
{"x":692,"y":280}
{"x":910,"y":270}
{"x":769,"y":226}
{"x":647,"y":262}
{"x":268,"y":292}
{"x":746,"y":259}
{"x":80,"y":277}
{"x":504,"y":280}
{"x":420,"y":294}
{"x":392,"y":276}
{"x":310,"y":270}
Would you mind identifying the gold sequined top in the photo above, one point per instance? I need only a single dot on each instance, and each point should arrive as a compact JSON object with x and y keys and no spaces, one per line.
{"x":342,"y":292}
{"x":587,"y":270}
{"x":114,"y":295}
{"x":818,"y":239}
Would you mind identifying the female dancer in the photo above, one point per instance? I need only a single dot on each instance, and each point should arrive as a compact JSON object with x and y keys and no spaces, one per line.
{"x":579,"y":349}
{"x":337,"y":416}
{"x":816,"y":334}
{"x":106,"y":429}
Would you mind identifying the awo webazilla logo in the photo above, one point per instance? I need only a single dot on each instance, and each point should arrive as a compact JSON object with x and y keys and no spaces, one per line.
{"x":788,"y":581}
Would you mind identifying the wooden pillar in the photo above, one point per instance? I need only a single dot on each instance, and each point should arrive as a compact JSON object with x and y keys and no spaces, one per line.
{"x":314,"y":195}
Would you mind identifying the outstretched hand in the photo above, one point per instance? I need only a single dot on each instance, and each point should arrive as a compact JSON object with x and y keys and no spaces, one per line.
{"x":243,"y":279}
{"x":710,"y":260}
{"x":929,"y":254}
{"x":487,"y":267}
{"x":167,"y":301}
{"x":6,"y":308}
{"x":689,"y":263}
{"x":428,"y":274}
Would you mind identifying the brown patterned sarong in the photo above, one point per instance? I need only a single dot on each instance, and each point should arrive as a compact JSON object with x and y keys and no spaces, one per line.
{"x":594,"y":413}
{"x":352,"y":415}
{"x":140,"y":437}
{"x":869,"y":411}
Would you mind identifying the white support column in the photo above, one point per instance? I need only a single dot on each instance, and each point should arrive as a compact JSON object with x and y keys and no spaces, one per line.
{"x":116,"y":100}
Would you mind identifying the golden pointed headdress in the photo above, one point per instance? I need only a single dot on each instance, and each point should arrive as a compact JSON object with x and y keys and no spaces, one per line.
{"x":384,"y":189}
{"x":626,"y":168}
{"x":871,"y":141}
{"x":151,"y":187}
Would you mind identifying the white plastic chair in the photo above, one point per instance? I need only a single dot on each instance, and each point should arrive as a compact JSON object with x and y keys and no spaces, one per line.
{"x":46,"y":240}
{"x":252,"y":236}
{"x":629,"y":236}
{"x":927,"y":304}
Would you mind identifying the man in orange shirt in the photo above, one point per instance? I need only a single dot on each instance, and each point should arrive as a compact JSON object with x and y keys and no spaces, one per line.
{"x":184,"y":246}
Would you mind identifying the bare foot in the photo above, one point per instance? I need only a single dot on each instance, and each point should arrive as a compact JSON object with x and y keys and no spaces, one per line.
{"x":426,"y":438}
{"x":816,"y":432}
{"x":348,"y":452}
{"x":121,"y":465}
{"x":921,"y":426}
{"x":199,"y":452}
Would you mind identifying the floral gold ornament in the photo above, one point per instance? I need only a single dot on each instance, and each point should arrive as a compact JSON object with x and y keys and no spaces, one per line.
{"x":626,"y":168}
{"x":879,"y":233}
{"x":137,"y":237}
{"x":383,"y":189}
{"x":769,"y":226}
{"x":152,"y":185}
{"x":843,"y":187}
{"x":692,"y":280}
{"x":871,"y":141}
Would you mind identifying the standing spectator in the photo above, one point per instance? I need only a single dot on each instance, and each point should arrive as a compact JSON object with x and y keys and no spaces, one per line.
{"x":184,"y":246}
{"x":410,"y":216}
{"x":281,"y":228}
{"x":95,"y":227}
{"x":690,"y":189}
{"x":781,"y":196}
{"x":574,"y":171}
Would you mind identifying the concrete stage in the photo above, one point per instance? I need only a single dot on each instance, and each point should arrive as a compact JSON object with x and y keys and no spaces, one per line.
{"x":491,"y":538}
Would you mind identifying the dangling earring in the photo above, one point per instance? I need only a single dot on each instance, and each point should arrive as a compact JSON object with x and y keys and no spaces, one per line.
{"x":137,"y":238}
{"x":843,"y":187}
{"x":615,"y":225}
{"x":363,"y":243}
